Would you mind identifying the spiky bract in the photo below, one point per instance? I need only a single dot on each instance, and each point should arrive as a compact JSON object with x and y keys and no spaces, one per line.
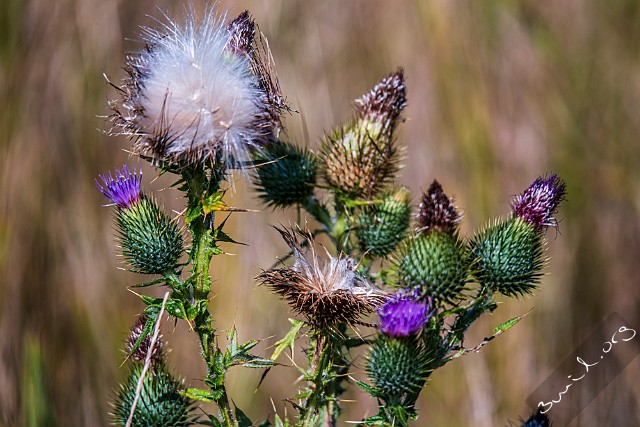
{"x":159,"y":405}
{"x":199,"y":92}
{"x":509,"y":257}
{"x":398,"y":368}
{"x":286,"y":174}
{"x":539,"y":203}
{"x":324,"y":291}
{"x":382,"y":226}
{"x":437,"y":211}
{"x":360,"y":157}
{"x":151,"y":242}
{"x":138,"y":342}
{"x":436,"y":262}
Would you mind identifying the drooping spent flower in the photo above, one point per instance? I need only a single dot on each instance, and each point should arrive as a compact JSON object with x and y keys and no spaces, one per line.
{"x":380,"y":227}
{"x":138,"y":342}
{"x":403,"y":315}
{"x":324,"y":291}
{"x":199,"y":92}
{"x":360,"y":157}
{"x":437,"y":211}
{"x":539,"y":203}
{"x":122,"y":190}
{"x":151,"y":242}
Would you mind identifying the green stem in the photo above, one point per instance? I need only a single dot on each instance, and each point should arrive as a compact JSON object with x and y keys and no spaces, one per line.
{"x":199,"y":187}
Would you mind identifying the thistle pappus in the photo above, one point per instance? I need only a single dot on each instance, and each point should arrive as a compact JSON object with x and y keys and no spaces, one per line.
{"x":201,"y":91}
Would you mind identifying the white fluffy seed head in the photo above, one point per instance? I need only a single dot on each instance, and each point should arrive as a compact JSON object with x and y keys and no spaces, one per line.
{"x":191,"y":97}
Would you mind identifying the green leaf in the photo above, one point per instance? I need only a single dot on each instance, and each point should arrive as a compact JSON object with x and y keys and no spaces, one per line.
{"x":150,"y":301}
{"x":279,"y":422}
{"x":259,"y":363}
{"x":200,"y":394}
{"x":265,"y":423}
{"x":194,"y":310}
{"x":214,"y":421}
{"x":193,"y":212}
{"x":148,"y":327}
{"x":151,"y":283}
{"x":243,"y":420}
{"x":366,"y":387}
{"x":288,"y":339}
{"x":508,"y":324}
{"x":176,"y":309}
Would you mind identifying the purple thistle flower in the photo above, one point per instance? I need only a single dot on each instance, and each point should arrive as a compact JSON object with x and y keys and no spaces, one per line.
{"x":402,"y":315}
{"x":123,"y":189}
{"x":538,"y":203}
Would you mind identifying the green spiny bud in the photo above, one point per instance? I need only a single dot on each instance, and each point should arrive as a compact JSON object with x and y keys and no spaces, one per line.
{"x":509,"y":257}
{"x":160,"y":403}
{"x":286,"y":175}
{"x":437,"y":262}
{"x":151,"y":243}
{"x":360,"y":157}
{"x":398,"y":367}
{"x":382,"y":226}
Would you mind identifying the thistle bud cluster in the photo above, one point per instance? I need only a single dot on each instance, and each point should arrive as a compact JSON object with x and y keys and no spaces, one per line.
{"x":202,"y":98}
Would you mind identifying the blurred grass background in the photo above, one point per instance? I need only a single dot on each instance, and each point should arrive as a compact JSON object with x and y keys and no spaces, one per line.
{"x":499,"y":92}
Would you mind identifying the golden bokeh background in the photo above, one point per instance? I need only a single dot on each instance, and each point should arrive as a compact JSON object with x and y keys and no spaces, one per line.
{"x":499,"y":92}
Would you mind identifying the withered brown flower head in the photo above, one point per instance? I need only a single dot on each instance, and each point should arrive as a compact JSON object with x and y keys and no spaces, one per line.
{"x":201,"y":91}
{"x":360,"y":157}
{"x":326,"y":292}
{"x":385,"y":101}
{"x":437,"y":211}
{"x":140,"y":353}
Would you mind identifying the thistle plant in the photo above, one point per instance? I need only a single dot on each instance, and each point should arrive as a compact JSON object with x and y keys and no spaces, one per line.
{"x":202,"y":101}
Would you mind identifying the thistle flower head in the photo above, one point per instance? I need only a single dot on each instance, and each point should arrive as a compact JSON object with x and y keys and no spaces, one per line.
{"x":385,"y":101}
{"x":198,"y":93}
{"x":137,"y":348}
{"x":361,"y":157}
{"x":437,"y":211}
{"x":123,"y":189}
{"x":539,"y":203}
{"x":403,"y":315}
{"x":324,"y":291}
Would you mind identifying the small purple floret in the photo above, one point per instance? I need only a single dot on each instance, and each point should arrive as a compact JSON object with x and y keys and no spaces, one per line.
{"x":402,"y":315}
{"x":538,"y":203}
{"x":123,"y":189}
